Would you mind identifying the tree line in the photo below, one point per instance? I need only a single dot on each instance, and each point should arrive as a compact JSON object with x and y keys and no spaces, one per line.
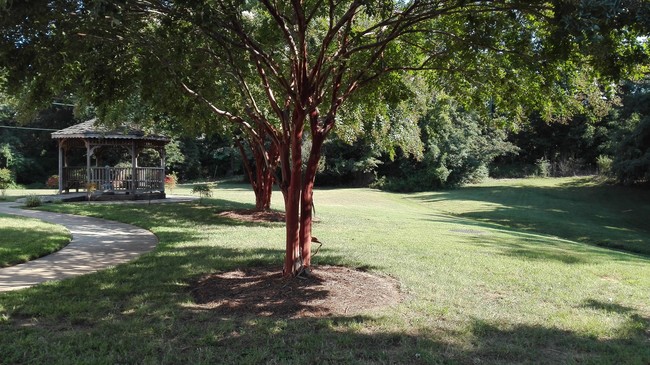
{"x":458,"y":147}
{"x":283,"y":79}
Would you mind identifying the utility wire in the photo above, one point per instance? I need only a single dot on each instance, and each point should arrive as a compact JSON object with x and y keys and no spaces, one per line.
{"x":28,"y":128}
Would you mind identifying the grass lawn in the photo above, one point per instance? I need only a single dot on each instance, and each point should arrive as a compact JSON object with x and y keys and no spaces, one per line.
{"x":577,"y":209}
{"x":23,"y":239}
{"x":13,"y":194}
{"x":486,"y":283}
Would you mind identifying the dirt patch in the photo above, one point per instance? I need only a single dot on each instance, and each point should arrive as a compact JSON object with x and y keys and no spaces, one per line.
{"x":254,"y":215}
{"x":330,"y":290}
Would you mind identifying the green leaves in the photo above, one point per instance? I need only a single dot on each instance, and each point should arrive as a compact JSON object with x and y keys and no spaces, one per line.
{"x":205,"y":62}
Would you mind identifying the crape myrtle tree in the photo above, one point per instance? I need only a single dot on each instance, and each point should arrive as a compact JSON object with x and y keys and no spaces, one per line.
{"x":260,"y":174}
{"x":286,"y":72}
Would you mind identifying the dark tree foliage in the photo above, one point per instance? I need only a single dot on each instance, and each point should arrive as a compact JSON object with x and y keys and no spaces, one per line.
{"x":571,"y":147}
{"x":575,"y":145}
{"x":205,"y":158}
{"x":459,"y":146}
{"x":31,"y":154}
{"x":631,"y":149}
{"x":347,"y":164}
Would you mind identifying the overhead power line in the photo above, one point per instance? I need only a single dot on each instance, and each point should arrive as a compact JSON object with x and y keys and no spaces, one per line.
{"x":28,"y":128}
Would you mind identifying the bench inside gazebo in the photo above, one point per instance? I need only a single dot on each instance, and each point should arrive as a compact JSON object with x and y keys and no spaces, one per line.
{"x":106,"y":182}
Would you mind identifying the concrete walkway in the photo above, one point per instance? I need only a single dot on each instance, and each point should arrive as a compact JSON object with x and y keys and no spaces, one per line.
{"x":96,"y":244}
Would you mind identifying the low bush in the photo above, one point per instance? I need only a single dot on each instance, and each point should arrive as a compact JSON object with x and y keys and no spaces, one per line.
{"x":52,"y":182}
{"x":204,"y":190}
{"x":543,"y":167}
{"x":32,"y":201}
{"x":604,"y":165}
{"x":170,"y":182}
{"x":6,"y":181}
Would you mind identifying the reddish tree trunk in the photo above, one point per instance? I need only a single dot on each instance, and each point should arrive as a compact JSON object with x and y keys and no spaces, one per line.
{"x":292,"y":261}
{"x":265,"y":165}
{"x":262,"y":175}
{"x":307,"y":199}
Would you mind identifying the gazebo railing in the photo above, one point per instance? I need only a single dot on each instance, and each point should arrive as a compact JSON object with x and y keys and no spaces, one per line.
{"x":115,"y":178}
{"x":74,"y":178}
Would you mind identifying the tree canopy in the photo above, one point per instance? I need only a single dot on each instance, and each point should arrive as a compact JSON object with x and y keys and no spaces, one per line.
{"x":282,"y":71}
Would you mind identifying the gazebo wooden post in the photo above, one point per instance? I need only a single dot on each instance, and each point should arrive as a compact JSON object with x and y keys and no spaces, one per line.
{"x":61,"y":157}
{"x":134,"y":166}
{"x":162,"y":165}
{"x":88,"y":172}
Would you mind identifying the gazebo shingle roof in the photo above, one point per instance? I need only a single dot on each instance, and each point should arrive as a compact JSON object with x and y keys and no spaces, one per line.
{"x":89,"y":129}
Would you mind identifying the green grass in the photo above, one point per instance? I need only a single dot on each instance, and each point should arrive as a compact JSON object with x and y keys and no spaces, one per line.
{"x":480,"y":289}
{"x":23,"y":239}
{"x":578,"y":209}
{"x":13,"y":194}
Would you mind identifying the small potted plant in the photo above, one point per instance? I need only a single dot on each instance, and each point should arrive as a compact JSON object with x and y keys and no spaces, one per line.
{"x":91,"y":187}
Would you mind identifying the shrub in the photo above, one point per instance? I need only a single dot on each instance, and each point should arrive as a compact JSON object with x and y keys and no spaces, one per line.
{"x":458,"y":146}
{"x":604,"y":165}
{"x":513,"y":170}
{"x":6,"y":181}
{"x":479,"y":175}
{"x":204,"y":190}
{"x":632,"y":160}
{"x":52,"y":182}
{"x":543,"y":167}
{"x":570,"y":167}
{"x":170,"y":182}
{"x":32,"y":201}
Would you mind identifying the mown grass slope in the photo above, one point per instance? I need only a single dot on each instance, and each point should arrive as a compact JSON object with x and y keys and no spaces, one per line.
{"x":480,"y":288}
{"x":579,"y":209}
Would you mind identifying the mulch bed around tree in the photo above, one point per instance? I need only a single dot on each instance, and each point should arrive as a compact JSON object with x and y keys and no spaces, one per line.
{"x":254,"y":215}
{"x":262,"y":291}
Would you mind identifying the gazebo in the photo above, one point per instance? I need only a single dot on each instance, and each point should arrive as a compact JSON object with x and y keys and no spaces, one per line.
{"x":110,"y":182}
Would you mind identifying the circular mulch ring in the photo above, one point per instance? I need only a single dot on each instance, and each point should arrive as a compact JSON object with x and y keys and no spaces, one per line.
{"x":262,"y":291}
{"x":268,"y":216}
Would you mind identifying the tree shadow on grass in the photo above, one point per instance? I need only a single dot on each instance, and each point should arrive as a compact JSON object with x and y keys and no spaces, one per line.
{"x":139,"y":330}
{"x":182,"y":215}
{"x":12,"y":253}
{"x":143,"y":312}
{"x":566,"y":211}
{"x":531,"y":246}
{"x":154,"y":283}
{"x":542,"y":345}
{"x":359,"y":339}
{"x":635,"y":320}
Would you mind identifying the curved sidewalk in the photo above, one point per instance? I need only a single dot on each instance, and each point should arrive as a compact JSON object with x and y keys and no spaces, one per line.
{"x":96,"y":244}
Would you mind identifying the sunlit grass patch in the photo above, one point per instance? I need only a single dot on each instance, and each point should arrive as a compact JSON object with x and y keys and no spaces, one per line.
{"x":23,"y":239}
{"x":573,"y":208}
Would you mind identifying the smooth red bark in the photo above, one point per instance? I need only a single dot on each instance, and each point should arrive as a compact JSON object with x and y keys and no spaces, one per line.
{"x":262,"y":175}
{"x":307,"y":199}
{"x":292,"y":260}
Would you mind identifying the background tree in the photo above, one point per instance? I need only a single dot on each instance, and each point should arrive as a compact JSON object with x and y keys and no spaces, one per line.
{"x":458,"y":147}
{"x":28,"y":149}
{"x":631,"y":141}
{"x":291,"y":69}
